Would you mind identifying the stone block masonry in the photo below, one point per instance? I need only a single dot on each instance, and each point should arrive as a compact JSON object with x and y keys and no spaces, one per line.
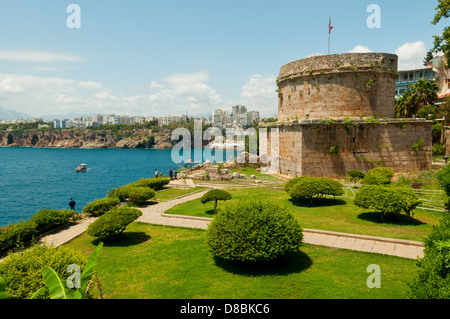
{"x":330,"y":149}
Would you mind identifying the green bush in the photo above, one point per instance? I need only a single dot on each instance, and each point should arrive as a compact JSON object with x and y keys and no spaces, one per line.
{"x":101,"y":206}
{"x":215,"y":195}
{"x":122,"y":193}
{"x":22,"y":272}
{"x":443,"y":177}
{"x":387,"y":200}
{"x":309,"y":188}
{"x":383,"y":171}
{"x":113,"y":222}
{"x":139,"y":195}
{"x":432,"y":280}
{"x":17,"y":234}
{"x":375,"y":180}
{"x":253,"y":231}
{"x":289,"y":184}
{"x":46,"y":219}
{"x":156,"y":183}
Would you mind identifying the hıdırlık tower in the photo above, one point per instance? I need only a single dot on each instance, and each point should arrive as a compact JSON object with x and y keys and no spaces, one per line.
{"x":336,"y":113}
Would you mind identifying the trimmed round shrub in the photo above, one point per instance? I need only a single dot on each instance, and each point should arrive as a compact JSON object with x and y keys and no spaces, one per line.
{"x":47,"y":219}
{"x":383,"y":171}
{"x":22,"y":272}
{"x":253,"y":230}
{"x":139,"y":195}
{"x":375,"y":180}
{"x":215,"y":195}
{"x":289,"y":184}
{"x":101,"y":206}
{"x":122,"y":192}
{"x":113,"y":222}
{"x":17,"y":235}
{"x":156,"y":183}
{"x":309,"y":188}
{"x":387,"y":200}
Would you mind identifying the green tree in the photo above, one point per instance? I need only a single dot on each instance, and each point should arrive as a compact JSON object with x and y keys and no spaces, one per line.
{"x":428,"y":58}
{"x":442,"y":42}
{"x":215,"y":195}
{"x":420,"y":94}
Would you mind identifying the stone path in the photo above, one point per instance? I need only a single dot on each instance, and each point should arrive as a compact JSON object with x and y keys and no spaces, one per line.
{"x":154,"y":214}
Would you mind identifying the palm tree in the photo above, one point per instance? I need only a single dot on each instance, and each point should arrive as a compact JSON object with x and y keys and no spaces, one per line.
{"x":426,"y":92}
{"x":418,"y":95}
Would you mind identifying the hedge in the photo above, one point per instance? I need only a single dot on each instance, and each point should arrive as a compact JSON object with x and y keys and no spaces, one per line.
{"x":113,"y":222}
{"x":17,"y":235}
{"x":22,"y":272}
{"x":101,"y":206}
{"x":156,"y":183}
{"x":253,"y":230}
{"x":47,"y":219}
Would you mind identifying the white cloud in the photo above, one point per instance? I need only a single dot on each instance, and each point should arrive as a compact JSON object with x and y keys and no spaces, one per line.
{"x":411,"y":55}
{"x":360,"y":49}
{"x":89,"y":84}
{"x":187,"y":78}
{"x":36,"y":56}
{"x":10,"y":85}
{"x":259,"y":94}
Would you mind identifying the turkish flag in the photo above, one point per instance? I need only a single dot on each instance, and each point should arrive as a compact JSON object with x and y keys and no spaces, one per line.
{"x":330,"y":27}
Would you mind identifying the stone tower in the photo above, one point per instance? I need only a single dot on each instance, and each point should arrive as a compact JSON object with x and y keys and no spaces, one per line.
{"x":336,"y":113}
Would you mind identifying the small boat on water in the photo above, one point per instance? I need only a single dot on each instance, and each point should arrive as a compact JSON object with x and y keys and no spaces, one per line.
{"x":81,"y":168}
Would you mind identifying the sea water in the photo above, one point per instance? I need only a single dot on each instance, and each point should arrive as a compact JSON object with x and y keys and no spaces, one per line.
{"x":45,"y":178}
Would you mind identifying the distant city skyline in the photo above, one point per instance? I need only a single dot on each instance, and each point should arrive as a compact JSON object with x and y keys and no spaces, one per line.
{"x":186,"y":56}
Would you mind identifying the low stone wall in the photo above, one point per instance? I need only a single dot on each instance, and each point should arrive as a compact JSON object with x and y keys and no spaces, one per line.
{"x":331,"y":148}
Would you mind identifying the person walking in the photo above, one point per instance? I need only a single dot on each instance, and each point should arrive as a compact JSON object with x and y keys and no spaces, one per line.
{"x":175,"y":174}
{"x":170,"y":173}
{"x":156,"y":173}
{"x":72,"y":204}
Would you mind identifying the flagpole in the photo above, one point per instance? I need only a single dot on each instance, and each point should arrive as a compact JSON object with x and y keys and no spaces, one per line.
{"x":329,"y":36}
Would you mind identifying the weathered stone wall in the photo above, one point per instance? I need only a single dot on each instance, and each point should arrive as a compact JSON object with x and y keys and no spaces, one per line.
{"x":327,"y":150}
{"x":351,"y":85}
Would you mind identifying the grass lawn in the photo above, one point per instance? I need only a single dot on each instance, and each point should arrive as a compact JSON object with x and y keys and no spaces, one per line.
{"x":175,"y":263}
{"x":169,"y":193}
{"x":340,"y":215}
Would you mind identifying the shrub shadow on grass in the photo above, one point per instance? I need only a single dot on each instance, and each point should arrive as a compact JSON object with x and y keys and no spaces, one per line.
{"x":395,"y":219}
{"x":318,"y":202}
{"x":124,"y":240}
{"x":292,"y":263}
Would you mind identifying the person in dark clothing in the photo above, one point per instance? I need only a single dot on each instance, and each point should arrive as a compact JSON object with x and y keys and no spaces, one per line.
{"x":170,"y":173}
{"x":72,"y":204}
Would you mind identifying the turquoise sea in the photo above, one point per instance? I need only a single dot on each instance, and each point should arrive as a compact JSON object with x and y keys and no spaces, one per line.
{"x":44,"y":178}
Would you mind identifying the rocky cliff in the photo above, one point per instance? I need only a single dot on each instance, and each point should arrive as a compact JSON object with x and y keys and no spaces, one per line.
{"x":142,"y":138}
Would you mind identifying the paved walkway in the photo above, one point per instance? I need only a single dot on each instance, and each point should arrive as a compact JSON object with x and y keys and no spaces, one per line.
{"x":154,"y":214}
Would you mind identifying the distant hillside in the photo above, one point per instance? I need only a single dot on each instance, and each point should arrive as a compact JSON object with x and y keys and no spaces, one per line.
{"x":7,"y":114}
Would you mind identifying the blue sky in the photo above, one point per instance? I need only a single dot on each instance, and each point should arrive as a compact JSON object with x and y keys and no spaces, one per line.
{"x":169,"y":57}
